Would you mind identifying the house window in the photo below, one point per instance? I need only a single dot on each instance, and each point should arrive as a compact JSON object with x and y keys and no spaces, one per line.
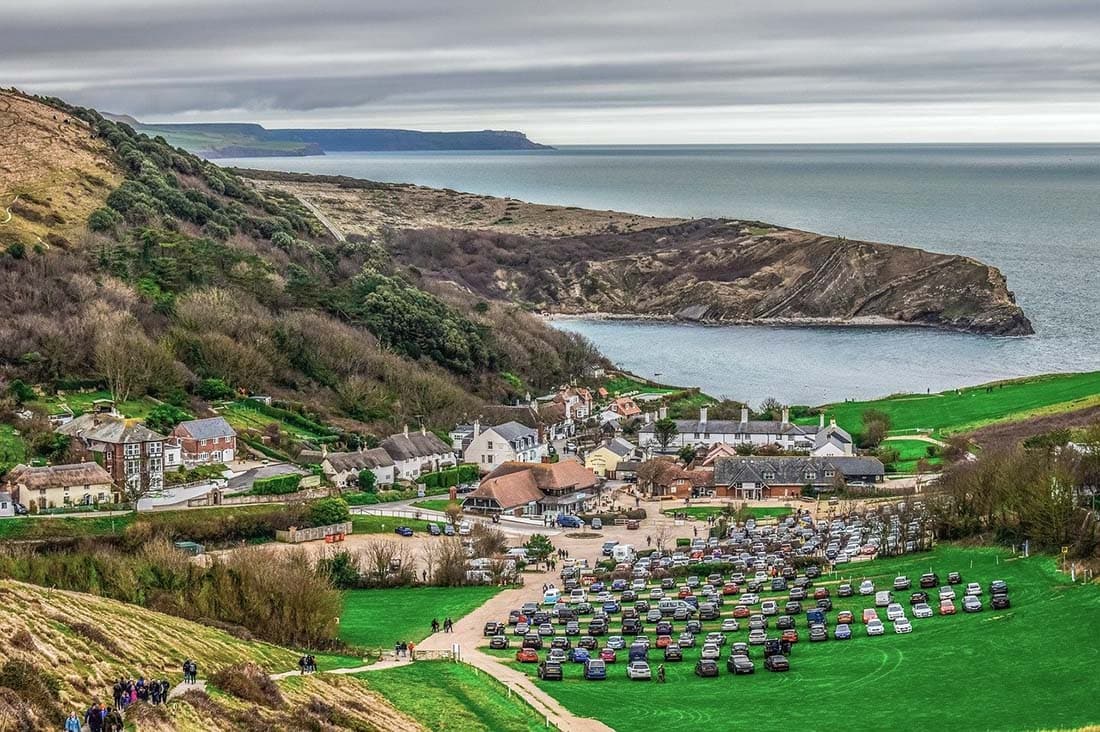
{"x":202,"y":443}
{"x":132,"y":467}
{"x":769,"y":476}
{"x":830,"y":473}
{"x":154,"y":448}
{"x":810,"y":475}
{"x":489,"y":458}
{"x":489,"y":445}
{"x":132,"y":449}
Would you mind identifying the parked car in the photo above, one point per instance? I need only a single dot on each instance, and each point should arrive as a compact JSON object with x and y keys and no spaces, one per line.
{"x":947,"y":607}
{"x":638,"y":671}
{"x":730,"y":625}
{"x":843,"y":631}
{"x":790,"y":635}
{"x":1000,"y":602}
{"x":579,"y":655}
{"x":845,"y":590}
{"x":673,"y":652}
{"x":902,"y":625}
{"x":998,"y":587}
{"x":818,"y":633}
{"x":777,"y":663}
{"x":740,"y":664}
{"x":954,"y":578}
{"x":929,"y":580}
{"x":971,"y":604}
{"x":875,"y":627}
{"x":922,"y":610}
{"x":947,"y":593}
{"x":894,"y":611}
{"x":498,"y":642}
{"x":595,"y":670}
{"x":588,"y":643}
{"x":757,"y":637}
{"x":607,"y":655}
{"x":883,"y":598}
{"x":686,"y":640}
{"x":532,"y":640}
{"x":902,"y":582}
{"x":403,"y":531}
{"x":973,"y":588}
{"x":866,"y":587}
{"x":556,"y":655}
{"x":845,"y":616}
{"x":434,"y":530}
{"x":527,"y":655}
{"x":597,"y":523}
{"x":918,"y":597}
{"x":706,"y":668}
{"x":550,"y":671}
{"x":869,"y":614}
{"x":492,"y":628}
{"x":448,"y":530}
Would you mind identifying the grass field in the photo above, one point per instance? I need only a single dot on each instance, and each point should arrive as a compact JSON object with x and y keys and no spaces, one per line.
{"x":702,"y":512}
{"x":970,"y":408}
{"x":241,"y":415}
{"x":1029,"y":667}
{"x":453,"y":696}
{"x":380,"y":618}
{"x":910,"y":452}
{"x":365,"y":524}
{"x":81,"y":402}
{"x":12,"y":448}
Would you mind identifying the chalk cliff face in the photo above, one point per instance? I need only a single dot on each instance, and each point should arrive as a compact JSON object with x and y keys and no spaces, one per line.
{"x":576,"y":261}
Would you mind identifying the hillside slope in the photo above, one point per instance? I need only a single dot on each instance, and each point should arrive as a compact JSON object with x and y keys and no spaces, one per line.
{"x":580,"y":262}
{"x":186,"y":274}
{"x":78,"y":645}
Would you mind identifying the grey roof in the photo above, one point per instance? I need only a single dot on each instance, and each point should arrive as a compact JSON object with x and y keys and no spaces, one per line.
{"x":105,"y":428}
{"x":359,"y":459}
{"x":207,"y":429}
{"x":414,"y":445}
{"x":619,"y":446}
{"x":626,"y":466}
{"x":791,"y":470}
{"x":735,"y":427}
{"x":512,"y":431}
{"x":832,"y":433}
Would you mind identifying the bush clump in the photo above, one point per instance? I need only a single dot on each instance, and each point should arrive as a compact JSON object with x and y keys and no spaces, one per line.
{"x":250,"y":682}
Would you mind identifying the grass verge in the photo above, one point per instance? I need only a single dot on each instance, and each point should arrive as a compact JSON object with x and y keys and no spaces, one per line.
{"x":380,"y":618}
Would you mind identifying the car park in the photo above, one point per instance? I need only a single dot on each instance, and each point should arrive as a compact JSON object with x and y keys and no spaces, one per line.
{"x":550,"y":671}
{"x":875,"y":627}
{"x":971,"y":604}
{"x":902,"y":625}
{"x":922,"y":610}
{"x":638,"y":671}
{"x":777,"y":663}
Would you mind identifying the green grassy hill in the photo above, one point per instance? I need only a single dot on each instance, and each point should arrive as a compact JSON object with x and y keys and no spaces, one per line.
{"x":973,"y":407}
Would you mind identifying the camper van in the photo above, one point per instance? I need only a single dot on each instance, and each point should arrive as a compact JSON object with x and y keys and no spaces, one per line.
{"x":623,"y":553}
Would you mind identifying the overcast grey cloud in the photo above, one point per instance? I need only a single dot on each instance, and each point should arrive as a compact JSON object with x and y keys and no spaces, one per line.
{"x":572,"y":72}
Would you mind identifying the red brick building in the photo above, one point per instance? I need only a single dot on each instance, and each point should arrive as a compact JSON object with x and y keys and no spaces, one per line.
{"x":206,"y":441}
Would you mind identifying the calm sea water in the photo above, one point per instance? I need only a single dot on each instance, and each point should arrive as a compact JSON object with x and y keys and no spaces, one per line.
{"x":1031,"y":210}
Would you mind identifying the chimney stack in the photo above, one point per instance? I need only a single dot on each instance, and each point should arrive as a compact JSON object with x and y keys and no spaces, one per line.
{"x":786,"y":415}
{"x":821,"y":421}
{"x":406,"y":429}
{"x":702,"y":415}
{"x":477,"y":427}
{"x":744,"y":415}
{"x":832,"y":421}
{"x":423,"y":430}
{"x":662,"y":413}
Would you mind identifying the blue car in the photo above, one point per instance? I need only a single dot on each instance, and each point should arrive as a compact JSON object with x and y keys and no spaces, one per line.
{"x":566,"y":521}
{"x":578,"y":655}
{"x":403,"y":530}
{"x":611,"y":607}
{"x":434,"y":529}
{"x":618,"y":585}
{"x":595,"y":670}
{"x":843,"y":632}
{"x":448,"y":530}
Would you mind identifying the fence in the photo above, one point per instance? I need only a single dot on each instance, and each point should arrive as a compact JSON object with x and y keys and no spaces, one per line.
{"x":297,"y":536}
{"x":210,"y":500}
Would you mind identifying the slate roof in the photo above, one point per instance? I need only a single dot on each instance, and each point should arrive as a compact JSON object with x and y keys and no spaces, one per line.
{"x":104,"y":428}
{"x":512,"y":431}
{"x":59,"y":476}
{"x":207,"y":429}
{"x":791,"y":470}
{"x":619,"y":446}
{"x":832,"y":433}
{"x":736,"y":427}
{"x":415,"y":445}
{"x":359,"y":460}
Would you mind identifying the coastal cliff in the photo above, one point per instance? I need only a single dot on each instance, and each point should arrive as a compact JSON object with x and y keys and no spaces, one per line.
{"x":573,"y":261}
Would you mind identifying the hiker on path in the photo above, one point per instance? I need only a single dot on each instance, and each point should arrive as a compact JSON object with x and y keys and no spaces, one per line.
{"x":112,"y":721}
{"x":661,"y":673}
{"x":72,"y":724}
{"x":94,"y":717}
{"x":435,"y":625}
{"x":302,"y":666}
{"x":412,"y":646}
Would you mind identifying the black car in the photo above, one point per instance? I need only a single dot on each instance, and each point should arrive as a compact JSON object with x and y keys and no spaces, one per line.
{"x":583,"y":608}
{"x":629,"y":612}
{"x":492,"y":628}
{"x":642,"y":606}
{"x":845,"y":590}
{"x":813,"y":571}
{"x":998,"y":587}
{"x":540,"y":617}
{"x":587,"y":642}
{"x":755,"y":586}
{"x":929,"y":580}
{"x":793,"y":607}
{"x":663,"y":628}
{"x":597,"y":627}
{"x":532,"y":640}
{"x":918,"y":597}
{"x":550,"y":671}
{"x":673,"y":652}
{"x":740,"y":665}
{"x":954,"y":578}
{"x":1000,"y":602}
{"x":708,"y":611}
{"x":784,"y":622}
{"x":434,"y":530}
{"x":779,"y":584}
{"x":706,"y":668}
{"x":631,"y":626}
{"x":498,"y":642}
{"x":772,"y":647}
{"x":629,"y":596}
{"x":572,"y":628}
{"x":693,"y":626}
{"x":777,"y":663}
{"x":560,"y":641}
{"x":825,"y":603}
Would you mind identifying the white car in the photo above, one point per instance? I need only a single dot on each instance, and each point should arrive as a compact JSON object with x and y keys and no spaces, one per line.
{"x":730,"y":625}
{"x":922,"y":610}
{"x":973,"y":589}
{"x":902,"y":625}
{"x":757,"y":637}
{"x":866,"y":587}
{"x":748,"y":599}
{"x":875,"y":627}
{"x":894,"y":611}
{"x":947,"y":593}
{"x":638,"y":671}
{"x":710,"y":651}
{"x":716,"y":638}
{"x":769,"y":607}
{"x":464,"y":528}
{"x":656,"y":593}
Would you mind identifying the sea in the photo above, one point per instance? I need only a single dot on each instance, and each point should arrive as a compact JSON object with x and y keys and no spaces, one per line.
{"x":1031,"y":210}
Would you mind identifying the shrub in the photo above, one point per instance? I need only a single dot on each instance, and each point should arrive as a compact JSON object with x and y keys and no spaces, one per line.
{"x":214,"y":389}
{"x":249,"y":682}
{"x":104,"y":219}
{"x":276,"y":485}
{"x":367,"y":480}
{"x":164,"y":417}
{"x":328,"y":511}
{"x":35,"y":687}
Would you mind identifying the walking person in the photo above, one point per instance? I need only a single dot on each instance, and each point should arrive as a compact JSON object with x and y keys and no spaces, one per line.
{"x":661,"y":673}
{"x":435,"y":625}
{"x":72,"y":723}
{"x":112,"y":721}
{"x":94,"y":717}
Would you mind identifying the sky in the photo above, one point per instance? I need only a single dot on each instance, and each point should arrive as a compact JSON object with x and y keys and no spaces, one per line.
{"x":573,"y":72}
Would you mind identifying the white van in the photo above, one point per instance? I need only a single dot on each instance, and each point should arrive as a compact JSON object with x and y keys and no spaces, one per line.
{"x":464,"y":528}
{"x":623,"y":553}
{"x":517,"y":552}
{"x":551,"y":596}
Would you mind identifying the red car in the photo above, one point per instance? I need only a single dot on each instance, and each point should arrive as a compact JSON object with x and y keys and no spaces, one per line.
{"x":663,"y":641}
{"x":947,"y":608}
{"x":731,"y":589}
{"x":845,"y":616}
{"x":742,"y":611}
{"x":527,"y":655}
{"x":607,"y":655}
{"x":685,"y":592}
{"x":790,"y":636}
{"x":821,"y":593}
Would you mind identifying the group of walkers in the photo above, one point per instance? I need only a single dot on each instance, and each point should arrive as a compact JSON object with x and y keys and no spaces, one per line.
{"x":99,"y":718}
{"x":125,"y":692}
{"x":448,"y":625}
{"x":190,"y":672}
{"x":128,"y":691}
{"x":307,"y":665}
{"x":403,"y":649}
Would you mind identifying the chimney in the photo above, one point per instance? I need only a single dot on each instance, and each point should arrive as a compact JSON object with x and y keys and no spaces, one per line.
{"x":477,"y":427}
{"x":648,"y":417}
{"x":821,"y":421}
{"x":423,"y":430}
{"x":786,"y":415}
{"x":702,"y":415}
{"x":832,"y":421}
{"x":406,"y":429}
{"x":744,"y":415}
{"x":662,"y":413}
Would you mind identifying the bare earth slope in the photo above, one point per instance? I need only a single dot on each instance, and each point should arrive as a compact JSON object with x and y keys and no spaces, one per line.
{"x":575,"y":261}
{"x":53,"y":173}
